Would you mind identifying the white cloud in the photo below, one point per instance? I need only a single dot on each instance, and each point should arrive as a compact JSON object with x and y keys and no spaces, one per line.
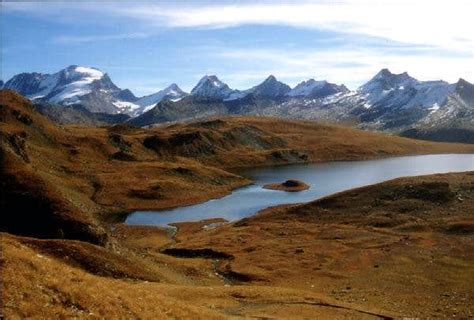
{"x":445,"y":24}
{"x":86,"y":39}
{"x":438,"y":34}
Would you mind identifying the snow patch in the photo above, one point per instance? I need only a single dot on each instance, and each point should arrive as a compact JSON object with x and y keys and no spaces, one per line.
{"x":92,"y":74}
{"x":124,"y":105}
{"x":172,"y":93}
{"x":434,"y":108}
{"x":305,"y":88}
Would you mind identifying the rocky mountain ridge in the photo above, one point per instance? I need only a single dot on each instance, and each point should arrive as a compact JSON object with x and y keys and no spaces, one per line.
{"x":396,"y":103}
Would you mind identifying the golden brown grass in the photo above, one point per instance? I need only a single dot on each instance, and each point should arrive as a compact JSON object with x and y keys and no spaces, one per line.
{"x":358,"y":254}
{"x":38,"y":285}
{"x":403,"y":246}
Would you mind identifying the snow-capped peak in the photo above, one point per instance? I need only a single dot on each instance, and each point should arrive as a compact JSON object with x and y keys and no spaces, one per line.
{"x":85,"y":74}
{"x":316,"y":89}
{"x":68,"y":83}
{"x":73,"y":85}
{"x":393,"y":90}
{"x":75,"y":81}
{"x":209,"y":80}
{"x":172,"y":92}
{"x":211,"y":87}
{"x":89,"y":71}
{"x":388,"y":80}
{"x":385,"y":82}
{"x":306,"y":87}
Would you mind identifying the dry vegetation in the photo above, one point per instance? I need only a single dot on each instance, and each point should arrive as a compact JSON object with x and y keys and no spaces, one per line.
{"x":404,"y":246}
{"x":62,"y":257}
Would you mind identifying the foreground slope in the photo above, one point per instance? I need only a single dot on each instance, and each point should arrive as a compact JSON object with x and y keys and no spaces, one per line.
{"x":402,"y":248}
{"x":405,"y":246}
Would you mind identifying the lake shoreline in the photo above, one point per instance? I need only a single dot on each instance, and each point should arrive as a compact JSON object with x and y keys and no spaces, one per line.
{"x":256,"y":185}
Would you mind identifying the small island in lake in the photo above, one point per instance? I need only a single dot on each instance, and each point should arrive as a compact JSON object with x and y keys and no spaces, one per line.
{"x":291,"y":185}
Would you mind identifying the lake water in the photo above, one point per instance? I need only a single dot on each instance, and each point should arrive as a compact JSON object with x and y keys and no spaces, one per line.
{"x":324,"y":179}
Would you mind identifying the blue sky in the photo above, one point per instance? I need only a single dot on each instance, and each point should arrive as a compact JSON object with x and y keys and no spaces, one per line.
{"x":145,"y":46}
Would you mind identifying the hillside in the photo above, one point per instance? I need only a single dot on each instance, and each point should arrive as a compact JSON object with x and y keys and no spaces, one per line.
{"x":77,"y":114}
{"x":357,"y":254}
{"x":403,"y":246}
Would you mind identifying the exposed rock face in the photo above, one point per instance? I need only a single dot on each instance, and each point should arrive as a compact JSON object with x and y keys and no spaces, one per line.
{"x":126,"y":95}
{"x":211,"y":87}
{"x":78,"y":114}
{"x":270,"y":88}
{"x":316,"y":89}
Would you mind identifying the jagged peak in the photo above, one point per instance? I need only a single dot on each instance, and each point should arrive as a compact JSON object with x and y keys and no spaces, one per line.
{"x":210,"y":78}
{"x":174,"y":87}
{"x":462,"y":82}
{"x":385,"y":79}
{"x":311,"y":82}
{"x":270,"y":87}
{"x":463,"y":87}
{"x":386,"y":73}
{"x":211,"y":86}
{"x":313,"y":88}
{"x":271,"y":78}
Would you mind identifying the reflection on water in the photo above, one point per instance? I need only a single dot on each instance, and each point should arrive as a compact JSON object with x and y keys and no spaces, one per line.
{"x":324,"y":179}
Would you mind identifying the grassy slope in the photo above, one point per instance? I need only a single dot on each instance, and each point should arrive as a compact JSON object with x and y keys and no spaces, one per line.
{"x":40,"y":286}
{"x":357,"y":254}
{"x":404,"y":246}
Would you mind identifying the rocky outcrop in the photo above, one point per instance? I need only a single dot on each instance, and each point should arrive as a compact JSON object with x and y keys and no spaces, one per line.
{"x":291,"y":185}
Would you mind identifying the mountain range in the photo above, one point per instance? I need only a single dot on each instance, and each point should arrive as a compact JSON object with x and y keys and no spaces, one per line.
{"x":396,"y":103}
